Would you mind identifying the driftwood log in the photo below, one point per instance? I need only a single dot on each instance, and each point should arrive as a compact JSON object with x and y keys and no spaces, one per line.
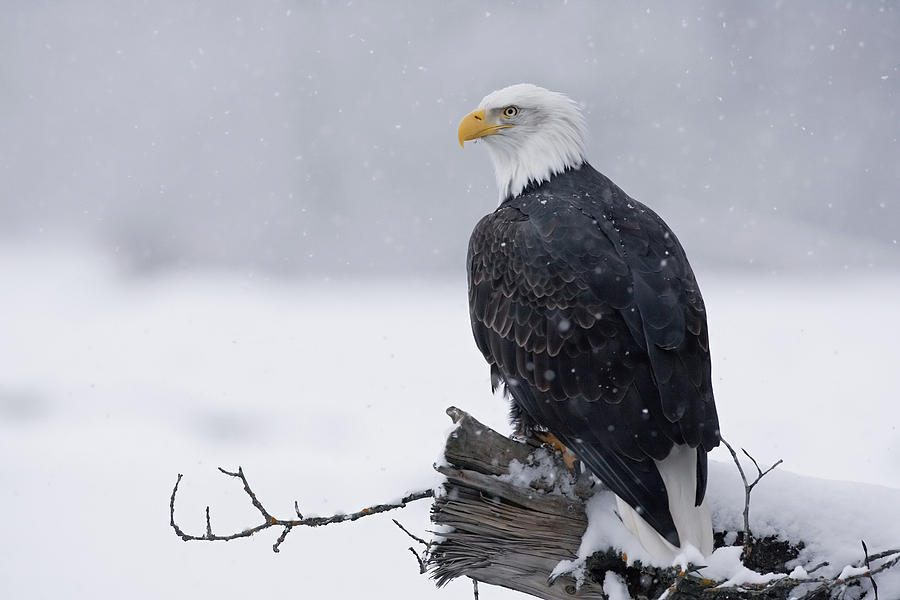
{"x":498,"y":532}
{"x":494,"y":530}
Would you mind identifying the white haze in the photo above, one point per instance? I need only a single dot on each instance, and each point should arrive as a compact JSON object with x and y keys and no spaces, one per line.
{"x":318,"y":139}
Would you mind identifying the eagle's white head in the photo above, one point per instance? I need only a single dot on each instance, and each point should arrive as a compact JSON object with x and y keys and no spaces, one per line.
{"x":531,"y":134}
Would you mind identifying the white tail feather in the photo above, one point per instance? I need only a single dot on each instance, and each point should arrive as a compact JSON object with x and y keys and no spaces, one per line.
{"x":693,"y":523}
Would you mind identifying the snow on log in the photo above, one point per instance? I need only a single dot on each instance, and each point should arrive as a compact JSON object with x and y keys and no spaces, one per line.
{"x":497,"y":530}
{"x":511,"y":514}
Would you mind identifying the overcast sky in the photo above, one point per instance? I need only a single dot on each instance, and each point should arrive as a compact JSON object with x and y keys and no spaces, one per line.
{"x":307,"y":138}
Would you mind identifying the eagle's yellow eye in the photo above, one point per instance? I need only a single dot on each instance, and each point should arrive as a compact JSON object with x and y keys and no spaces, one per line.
{"x":510,"y":111}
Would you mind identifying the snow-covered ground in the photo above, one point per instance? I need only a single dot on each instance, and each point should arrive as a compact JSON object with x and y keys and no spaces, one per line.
{"x":333,"y":394}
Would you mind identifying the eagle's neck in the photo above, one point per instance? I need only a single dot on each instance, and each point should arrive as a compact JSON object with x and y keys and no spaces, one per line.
{"x":539,"y":156}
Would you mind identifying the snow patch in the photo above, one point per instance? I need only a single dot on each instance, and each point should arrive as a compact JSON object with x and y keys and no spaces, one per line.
{"x":575,"y":568}
{"x":614,"y":587}
{"x":851,"y":571}
{"x":725,"y":564}
{"x":830,"y":517}
{"x":441,"y":460}
{"x":798,"y":573}
{"x":541,"y":468}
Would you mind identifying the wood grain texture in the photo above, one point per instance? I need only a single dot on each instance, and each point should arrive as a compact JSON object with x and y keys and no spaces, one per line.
{"x":498,"y":532}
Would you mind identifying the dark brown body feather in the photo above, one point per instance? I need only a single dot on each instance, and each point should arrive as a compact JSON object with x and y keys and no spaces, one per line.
{"x":585,"y":306}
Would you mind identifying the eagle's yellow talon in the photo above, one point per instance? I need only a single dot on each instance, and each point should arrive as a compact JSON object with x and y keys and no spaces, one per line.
{"x":552,"y":440}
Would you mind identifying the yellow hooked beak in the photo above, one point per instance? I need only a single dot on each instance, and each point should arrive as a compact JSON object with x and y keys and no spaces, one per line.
{"x":473,"y":126}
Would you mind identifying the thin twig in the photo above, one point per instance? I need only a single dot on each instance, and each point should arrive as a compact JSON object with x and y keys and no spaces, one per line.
{"x":826,"y":585}
{"x":419,"y":559}
{"x":746,"y":494}
{"x":824,"y":563}
{"x":748,"y":487}
{"x":869,"y":568}
{"x":286,"y":524}
{"x":884,"y":554}
{"x":284,"y":532}
{"x":758,"y":470}
{"x":755,"y":464}
{"x":422,"y":567}
{"x":415,"y":537}
{"x":240,"y":475}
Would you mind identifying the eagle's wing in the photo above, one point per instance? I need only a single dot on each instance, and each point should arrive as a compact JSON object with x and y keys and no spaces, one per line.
{"x":592,"y":318}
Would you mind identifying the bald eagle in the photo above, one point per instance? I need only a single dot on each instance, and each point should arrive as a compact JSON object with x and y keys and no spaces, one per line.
{"x":584,"y":305}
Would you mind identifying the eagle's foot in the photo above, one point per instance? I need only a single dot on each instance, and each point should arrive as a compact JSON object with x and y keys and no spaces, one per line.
{"x":553,"y":441}
{"x":525,"y":433}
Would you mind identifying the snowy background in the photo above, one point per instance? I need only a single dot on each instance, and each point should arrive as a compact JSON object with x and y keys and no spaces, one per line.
{"x":233,"y":236}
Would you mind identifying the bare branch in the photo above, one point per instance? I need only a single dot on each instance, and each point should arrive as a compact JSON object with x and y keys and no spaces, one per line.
{"x":748,"y":487}
{"x":761,"y":473}
{"x":277,"y":545}
{"x":869,"y":568}
{"x":415,"y":537}
{"x":172,"y":506}
{"x":884,"y":554}
{"x":286,"y":524}
{"x":755,"y":464}
{"x":422,"y":567}
{"x":824,"y":563}
{"x":422,"y":562}
{"x":827,"y":585}
{"x":240,"y":475}
{"x":746,"y":494}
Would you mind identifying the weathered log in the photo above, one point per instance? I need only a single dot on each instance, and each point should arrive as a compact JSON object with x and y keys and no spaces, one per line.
{"x":498,"y":530}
